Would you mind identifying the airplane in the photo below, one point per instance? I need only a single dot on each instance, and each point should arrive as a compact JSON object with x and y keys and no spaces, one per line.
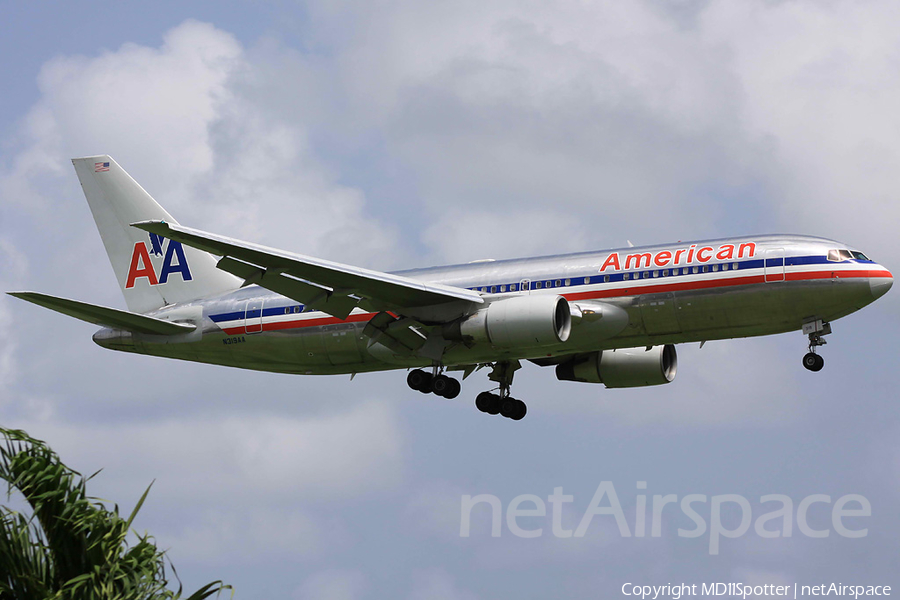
{"x":610,"y":317}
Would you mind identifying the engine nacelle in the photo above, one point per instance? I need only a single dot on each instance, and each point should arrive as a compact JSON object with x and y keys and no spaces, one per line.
{"x":519,"y":322}
{"x":624,"y":367}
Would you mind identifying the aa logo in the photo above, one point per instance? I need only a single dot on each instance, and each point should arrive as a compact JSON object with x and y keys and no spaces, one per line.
{"x":173,"y":261}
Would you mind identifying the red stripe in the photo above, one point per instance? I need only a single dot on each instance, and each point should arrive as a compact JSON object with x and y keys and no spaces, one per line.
{"x":301,"y":323}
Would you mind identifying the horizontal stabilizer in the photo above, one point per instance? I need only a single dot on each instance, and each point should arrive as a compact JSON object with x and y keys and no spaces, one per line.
{"x":107,"y":317}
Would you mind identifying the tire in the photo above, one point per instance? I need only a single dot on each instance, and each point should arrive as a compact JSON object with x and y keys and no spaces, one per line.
{"x":508,"y":407}
{"x":820,"y":362}
{"x":813,"y":362}
{"x":520,"y":412}
{"x":483,"y":401}
{"x":454,"y":390}
{"x":415,"y":378}
{"x":441,"y":385}
{"x":426,"y":386}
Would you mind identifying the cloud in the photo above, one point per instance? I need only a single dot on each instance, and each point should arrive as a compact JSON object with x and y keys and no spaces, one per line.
{"x":332,"y":584}
{"x":818,"y":81}
{"x":13,"y":268}
{"x":437,"y":584}
{"x":355,"y":451}
{"x":455,"y":132}
{"x":186,"y":120}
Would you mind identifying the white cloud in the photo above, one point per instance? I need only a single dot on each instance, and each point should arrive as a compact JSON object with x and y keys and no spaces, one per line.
{"x":479,"y":234}
{"x":13,"y":268}
{"x":437,"y":584}
{"x":472,"y":129}
{"x":819,"y":81}
{"x":356,"y":451}
{"x":188,"y":122}
{"x":332,"y":584}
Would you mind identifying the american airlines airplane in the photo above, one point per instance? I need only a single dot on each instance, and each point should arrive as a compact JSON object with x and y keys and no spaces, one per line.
{"x":609,"y":317}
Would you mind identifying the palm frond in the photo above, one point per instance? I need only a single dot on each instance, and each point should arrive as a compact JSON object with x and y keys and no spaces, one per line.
{"x":72,"y":545}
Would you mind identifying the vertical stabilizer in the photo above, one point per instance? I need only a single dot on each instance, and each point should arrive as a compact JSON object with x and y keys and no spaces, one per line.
{"x":152,"y":271}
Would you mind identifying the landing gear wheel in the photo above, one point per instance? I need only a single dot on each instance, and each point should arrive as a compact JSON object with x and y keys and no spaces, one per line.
{"x":445,"y":386}
{"x":454,"y":390}
{"x":813,"y":361}
{"x":419,"y":380}
{"x":483,"y":401}
{"x":488,"y":403}
{"x":520,"y":409}
{"x":513,"y":409}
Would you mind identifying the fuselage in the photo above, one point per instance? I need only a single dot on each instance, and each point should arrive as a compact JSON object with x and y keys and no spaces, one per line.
{"x":673,"y":293}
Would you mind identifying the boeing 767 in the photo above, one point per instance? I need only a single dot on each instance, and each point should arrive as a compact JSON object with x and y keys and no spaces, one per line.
{"x":610,"y":317}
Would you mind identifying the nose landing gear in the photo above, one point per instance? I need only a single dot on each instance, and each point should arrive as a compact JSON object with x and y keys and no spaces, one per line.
{"x":815,"y":330}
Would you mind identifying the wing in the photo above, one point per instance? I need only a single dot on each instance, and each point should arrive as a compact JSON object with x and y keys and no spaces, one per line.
{"x":107,"y":317}
{"x":323,"y":285}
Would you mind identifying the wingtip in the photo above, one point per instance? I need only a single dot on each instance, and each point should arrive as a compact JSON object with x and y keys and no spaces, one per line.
{"x":150,"y":225}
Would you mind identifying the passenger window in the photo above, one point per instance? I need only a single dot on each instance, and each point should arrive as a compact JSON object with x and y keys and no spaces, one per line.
{"x":625,"y":277}
{"x":568,"y":282}
{"x":706,"y":268}
{"x":656,"y":273}
{"x":665,"y":272}
{"x":606,"y":279}
{"x":287,"y":310}
{"x":512,"y":287}
{"x":715,"y":268}
{"x":696,"y":270}
{"x":734,"y":266}
{"x":558,"y":283}
{"x":725,"y":267}
{"x":502,"y":288}
{"x":484,"y":289}
{"x":646,"y":274}
{"x":549,"y":284}
{"x":587,"y":280}
{"x":538,"y":284}
{"x":493,"y":289}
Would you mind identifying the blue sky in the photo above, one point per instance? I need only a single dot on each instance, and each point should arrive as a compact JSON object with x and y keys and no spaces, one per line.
{"x":404,"y":134}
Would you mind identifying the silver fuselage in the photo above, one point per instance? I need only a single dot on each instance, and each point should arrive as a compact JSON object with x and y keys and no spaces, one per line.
{"x":675,"y":293}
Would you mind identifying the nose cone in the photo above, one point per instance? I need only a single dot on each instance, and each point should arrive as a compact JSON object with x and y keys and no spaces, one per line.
{"x":881,"y":285}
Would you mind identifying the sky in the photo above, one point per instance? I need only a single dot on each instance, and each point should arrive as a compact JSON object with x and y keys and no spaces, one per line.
{"x":398,"y":134}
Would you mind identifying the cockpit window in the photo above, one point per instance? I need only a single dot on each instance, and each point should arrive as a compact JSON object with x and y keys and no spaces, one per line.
{"x":839,"y":255}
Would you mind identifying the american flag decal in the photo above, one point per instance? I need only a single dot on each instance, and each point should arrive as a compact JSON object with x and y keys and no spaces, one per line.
{"x":100,"y":167}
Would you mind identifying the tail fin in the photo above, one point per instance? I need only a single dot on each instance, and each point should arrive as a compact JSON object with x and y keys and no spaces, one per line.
{"x":152,"y":271}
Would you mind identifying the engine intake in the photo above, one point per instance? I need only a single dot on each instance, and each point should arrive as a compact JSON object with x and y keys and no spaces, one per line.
{"x":521,"y":321}
{"x":623,"y":367}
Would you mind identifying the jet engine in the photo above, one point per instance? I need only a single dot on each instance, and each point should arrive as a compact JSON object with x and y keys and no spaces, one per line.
{"x":520,"y":321}
{"x":623,"y":367}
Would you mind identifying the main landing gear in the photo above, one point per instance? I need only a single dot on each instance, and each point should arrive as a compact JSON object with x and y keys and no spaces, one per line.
{"x":815,"y":330}
{"x":436,"y":383}
{"x":502,"y":403}
{"x":487,"y":402}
